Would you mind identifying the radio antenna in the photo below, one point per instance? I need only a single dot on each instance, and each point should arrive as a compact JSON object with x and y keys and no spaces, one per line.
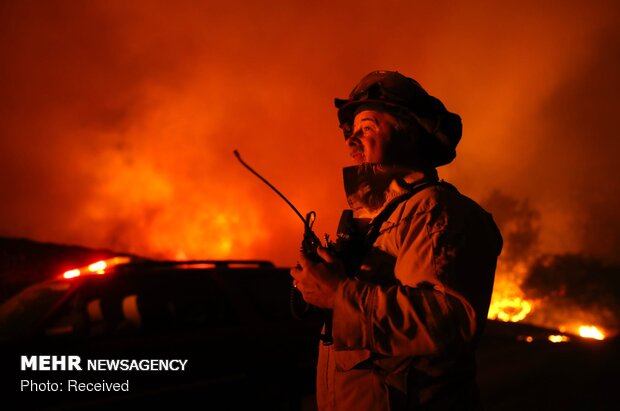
{"x":236,"y":153}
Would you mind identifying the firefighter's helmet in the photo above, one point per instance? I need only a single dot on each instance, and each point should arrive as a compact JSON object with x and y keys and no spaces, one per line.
{"x":403,"y":96}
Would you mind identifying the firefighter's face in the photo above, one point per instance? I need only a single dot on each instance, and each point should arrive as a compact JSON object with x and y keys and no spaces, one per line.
{"x":372,"y":132}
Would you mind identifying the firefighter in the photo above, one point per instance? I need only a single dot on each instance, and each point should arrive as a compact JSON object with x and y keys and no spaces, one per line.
{"x":410,"y":295}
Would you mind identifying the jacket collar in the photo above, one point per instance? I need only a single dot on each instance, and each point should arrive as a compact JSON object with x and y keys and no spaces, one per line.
{"x":370,"y":187}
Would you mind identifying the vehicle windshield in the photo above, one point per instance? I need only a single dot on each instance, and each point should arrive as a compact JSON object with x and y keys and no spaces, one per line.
{"x":23,"y":311}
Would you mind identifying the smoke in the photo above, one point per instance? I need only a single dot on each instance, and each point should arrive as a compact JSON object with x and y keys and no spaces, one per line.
{"x":119,"y":118}
{"x":566,"y":291}
{"x":583,"y":113}
{"x":519,"y":224}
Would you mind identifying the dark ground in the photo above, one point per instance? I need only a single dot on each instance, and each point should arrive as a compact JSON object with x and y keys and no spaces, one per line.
{"x":512,"y":373}
{"x":581,"y":374}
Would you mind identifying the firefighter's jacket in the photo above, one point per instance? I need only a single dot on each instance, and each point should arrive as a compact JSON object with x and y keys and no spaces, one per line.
{"x":405,"y":326}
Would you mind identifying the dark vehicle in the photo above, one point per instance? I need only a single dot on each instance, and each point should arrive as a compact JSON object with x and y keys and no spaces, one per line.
{"x":195,"y":334}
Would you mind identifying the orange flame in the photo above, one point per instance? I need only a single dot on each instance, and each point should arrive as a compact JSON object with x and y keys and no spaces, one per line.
{"x":149,"y":211}
{"x":558,"y":338}
{"x":590,"y":331}
{"x":508,"y":302}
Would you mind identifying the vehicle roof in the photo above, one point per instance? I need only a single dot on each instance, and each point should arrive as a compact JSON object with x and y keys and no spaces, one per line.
{"x":137,"y":267}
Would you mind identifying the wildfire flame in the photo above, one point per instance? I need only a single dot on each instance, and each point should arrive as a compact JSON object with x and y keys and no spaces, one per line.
{"x":510,"y":309}
{"x":590,"y":331}
{"x":558,"y":338}
{"x":150,"y":211}
{"x":508,"y":302}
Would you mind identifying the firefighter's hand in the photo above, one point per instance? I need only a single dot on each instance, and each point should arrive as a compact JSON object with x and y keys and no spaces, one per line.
{"x":318,"y":281}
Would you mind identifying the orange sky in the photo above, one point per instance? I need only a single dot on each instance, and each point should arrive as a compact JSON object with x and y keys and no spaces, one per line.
{"x":118,"y":119}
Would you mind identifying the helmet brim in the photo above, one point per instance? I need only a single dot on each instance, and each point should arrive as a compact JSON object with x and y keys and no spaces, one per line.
{"x":347,"y":108}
